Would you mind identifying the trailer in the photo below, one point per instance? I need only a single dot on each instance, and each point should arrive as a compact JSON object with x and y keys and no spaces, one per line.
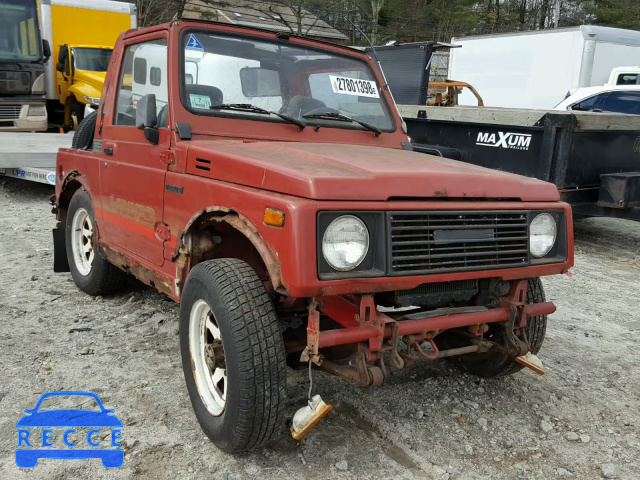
{"x":537,"y":69}
{"x":593,"y":158}
{"x":32,"y":156}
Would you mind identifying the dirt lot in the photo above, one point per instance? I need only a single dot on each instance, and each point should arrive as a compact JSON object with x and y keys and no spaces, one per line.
{"x":578,"y":421}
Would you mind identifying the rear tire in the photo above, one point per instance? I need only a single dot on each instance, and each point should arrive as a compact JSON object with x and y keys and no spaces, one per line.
{"x":239,"y":399}
{"x":90,"y":272}
{"x":495,"y":364}
{"x":83,"y":136}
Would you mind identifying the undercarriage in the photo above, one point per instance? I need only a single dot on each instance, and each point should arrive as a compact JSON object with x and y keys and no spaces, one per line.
{"x":362,"y":337}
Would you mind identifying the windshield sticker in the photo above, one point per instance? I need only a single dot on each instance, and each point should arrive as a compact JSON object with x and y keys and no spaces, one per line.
{"x":194,"y":44}
{"x":200,"y":101}
{"x":354,"y":86}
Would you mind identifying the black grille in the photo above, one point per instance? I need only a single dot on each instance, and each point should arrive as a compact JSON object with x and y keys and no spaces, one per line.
{"x":427,"y":242}
{"x":435,"y":294}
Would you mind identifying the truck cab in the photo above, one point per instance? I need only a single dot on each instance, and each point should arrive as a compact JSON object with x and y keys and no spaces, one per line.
{"x":22,"y":58}
{"x":624,"y":76}
{"x":80,"y":74}
{"x":265,"y":182}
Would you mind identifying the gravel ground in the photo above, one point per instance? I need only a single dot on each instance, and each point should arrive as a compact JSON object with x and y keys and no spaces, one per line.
{"x":580,"y":420}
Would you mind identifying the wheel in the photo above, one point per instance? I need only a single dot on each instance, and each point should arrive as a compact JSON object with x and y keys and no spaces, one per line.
{"x":89,"y":270}
{"x":83,"y":136}
{"x":232,"y":354}
{"x":495,"y":364}
{"x":77,"y":111}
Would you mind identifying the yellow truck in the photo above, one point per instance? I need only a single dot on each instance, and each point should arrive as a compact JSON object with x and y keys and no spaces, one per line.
{"x":81,"y":34}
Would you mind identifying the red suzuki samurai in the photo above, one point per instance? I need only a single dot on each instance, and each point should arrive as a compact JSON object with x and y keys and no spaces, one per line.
{"x":265,"y":182}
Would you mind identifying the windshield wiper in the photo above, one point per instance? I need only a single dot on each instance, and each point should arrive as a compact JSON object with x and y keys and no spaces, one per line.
{"x":247,"y":107}
{"x":343,"y":118}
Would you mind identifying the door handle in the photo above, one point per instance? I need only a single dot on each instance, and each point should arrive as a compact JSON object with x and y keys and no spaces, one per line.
{"x":108,"y":150}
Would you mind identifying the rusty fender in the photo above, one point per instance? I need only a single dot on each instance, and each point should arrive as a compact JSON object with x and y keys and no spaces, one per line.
{"x":244,"y":226}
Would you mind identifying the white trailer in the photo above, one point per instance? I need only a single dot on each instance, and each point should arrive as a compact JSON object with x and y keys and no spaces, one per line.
{"x":538,"y":69}
{"x":31,"y":156}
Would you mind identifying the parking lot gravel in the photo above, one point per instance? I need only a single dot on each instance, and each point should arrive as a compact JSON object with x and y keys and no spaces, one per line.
{"x":580,"y":420}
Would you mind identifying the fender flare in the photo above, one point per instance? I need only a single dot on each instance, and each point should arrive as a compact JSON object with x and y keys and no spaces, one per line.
{"x":72,"y":176}
{"x":242,"y":224}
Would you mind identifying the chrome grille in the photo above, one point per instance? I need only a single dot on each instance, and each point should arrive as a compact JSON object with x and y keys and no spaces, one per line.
{"x":10,"y":112}
{"x":428,"y":242}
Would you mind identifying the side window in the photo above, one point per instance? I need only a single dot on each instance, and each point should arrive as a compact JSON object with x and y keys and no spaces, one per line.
{"x":628,"y":79}
{"x":143,"y":71}
{"x":623,"y":102}
{"x":155,"y":76}
{"x":587,"y":104}
{"x":140,"y":70}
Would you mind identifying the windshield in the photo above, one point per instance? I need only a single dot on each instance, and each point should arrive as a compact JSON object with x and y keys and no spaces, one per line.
{"x":91,"y":59}
{"x":295,"y":81}
{"x":19,"y":34}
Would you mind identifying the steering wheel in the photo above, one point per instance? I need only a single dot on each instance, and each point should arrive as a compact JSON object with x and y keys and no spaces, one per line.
{"x":321,"y":111}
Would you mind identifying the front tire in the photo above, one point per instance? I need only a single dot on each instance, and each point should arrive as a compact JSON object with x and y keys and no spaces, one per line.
{"x":232,"y":354}
{"x":90,"y":272}
{"x":496,"y":364}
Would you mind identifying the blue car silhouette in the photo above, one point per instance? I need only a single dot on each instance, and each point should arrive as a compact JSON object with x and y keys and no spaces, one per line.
{"x":28,"y":457}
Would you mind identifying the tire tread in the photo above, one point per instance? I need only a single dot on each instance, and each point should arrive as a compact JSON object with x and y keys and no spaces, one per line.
{"x":260,"y":350}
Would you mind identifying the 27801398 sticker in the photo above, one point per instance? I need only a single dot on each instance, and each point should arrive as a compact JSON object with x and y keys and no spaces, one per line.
{"x":354,"y":86}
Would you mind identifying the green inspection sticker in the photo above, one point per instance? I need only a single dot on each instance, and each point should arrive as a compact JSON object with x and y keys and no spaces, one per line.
{"x":200,"y":101}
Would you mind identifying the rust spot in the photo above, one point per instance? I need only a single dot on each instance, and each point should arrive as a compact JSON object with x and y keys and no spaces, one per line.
{"x":190,"y":246}
{"x":162,"y":283}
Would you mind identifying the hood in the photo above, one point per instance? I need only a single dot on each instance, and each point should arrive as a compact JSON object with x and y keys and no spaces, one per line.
{"x":323,"y":171}
{"x":94,"y":79}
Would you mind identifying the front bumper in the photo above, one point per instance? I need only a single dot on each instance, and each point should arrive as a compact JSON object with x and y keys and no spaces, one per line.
{"x":14,"y":116}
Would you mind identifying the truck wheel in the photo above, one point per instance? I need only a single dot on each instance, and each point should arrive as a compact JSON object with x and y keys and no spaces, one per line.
{"x":232,"y":354}
{"x":83,"y":136}
{"x":90,"y":272}
{"x":494,"y":364}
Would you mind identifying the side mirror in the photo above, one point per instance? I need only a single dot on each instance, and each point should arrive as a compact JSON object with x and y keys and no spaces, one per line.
{"x":46,"y":50}
{"x":147,"y":118}
{"x":60,"y":67}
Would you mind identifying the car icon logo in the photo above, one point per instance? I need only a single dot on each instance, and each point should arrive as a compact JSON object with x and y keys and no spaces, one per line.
{"x":83,"y":432}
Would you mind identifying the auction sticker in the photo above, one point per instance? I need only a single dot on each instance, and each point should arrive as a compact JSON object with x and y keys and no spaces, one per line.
{"x":354,"y":86}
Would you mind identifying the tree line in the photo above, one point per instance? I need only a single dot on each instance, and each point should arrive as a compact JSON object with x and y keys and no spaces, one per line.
{"x":418,"y":20}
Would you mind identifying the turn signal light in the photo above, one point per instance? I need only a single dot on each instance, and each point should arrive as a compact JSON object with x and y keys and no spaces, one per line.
{"x":273,"y":217}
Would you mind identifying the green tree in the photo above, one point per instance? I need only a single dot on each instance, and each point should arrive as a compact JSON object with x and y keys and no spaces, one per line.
{"x":615,"y":13}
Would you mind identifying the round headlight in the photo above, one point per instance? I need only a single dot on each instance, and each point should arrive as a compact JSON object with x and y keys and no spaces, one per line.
{"x":542,"y":235}
{"x":345,"y":243}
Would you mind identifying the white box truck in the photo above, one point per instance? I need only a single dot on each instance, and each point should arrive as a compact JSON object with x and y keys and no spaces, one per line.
{"x":538,"y":69}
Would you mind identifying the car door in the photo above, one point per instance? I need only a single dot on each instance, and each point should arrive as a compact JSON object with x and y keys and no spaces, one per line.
{"x":133,"y":174}
{"x":63,"y":73}
{"x":623,"y":102}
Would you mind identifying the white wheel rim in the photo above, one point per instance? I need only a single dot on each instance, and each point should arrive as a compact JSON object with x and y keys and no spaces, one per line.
{"x":82,"y":241}
{"x":211,"y":380}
